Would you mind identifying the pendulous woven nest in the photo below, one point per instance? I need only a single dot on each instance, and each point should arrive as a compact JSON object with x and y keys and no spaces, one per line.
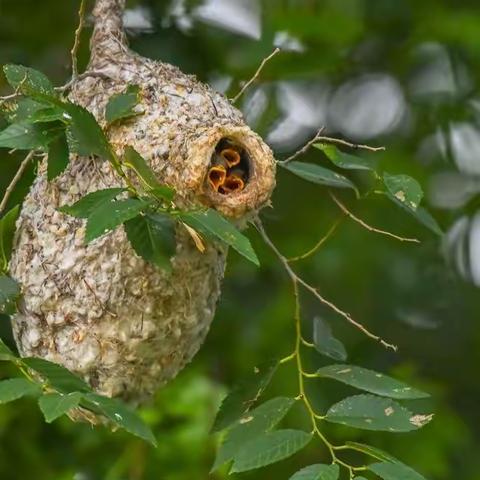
{"x":125,"y":326}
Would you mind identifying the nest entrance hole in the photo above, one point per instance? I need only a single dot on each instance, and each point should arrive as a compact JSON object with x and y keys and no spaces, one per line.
{"x":229,"y":169}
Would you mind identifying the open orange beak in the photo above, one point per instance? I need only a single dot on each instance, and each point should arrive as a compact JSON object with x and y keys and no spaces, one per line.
{"x":233,"y":183}
{"x":231,"y":156}
{"x":216,"y":177}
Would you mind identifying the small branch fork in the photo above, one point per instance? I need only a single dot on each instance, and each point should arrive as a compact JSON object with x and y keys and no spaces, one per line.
{"x":365,"y":225}
{"x":255,"y":76}
{"x":296,"y":356}
{"x":319,"y":138}
{"x":299,"y":281}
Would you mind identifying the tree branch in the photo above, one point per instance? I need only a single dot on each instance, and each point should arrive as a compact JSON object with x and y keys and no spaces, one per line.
{"x":347,"y":212}
{"x":76,"y":43}
{"x":299,"y":281}
{"x":15,"y":180}
{"x":255,"y":76}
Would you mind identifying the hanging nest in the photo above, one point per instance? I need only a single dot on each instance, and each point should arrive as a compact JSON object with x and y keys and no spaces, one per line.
{"x":125,"y":326}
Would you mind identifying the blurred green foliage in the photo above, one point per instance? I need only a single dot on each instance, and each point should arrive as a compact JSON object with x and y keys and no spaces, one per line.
{"x":405,"y":293}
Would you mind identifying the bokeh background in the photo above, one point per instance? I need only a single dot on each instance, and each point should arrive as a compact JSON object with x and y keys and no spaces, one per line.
{"x":400,"y":73}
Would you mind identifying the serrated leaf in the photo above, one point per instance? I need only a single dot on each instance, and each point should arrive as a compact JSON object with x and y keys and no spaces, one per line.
{"x":90,"y":202}
{"x":57,"y":376}
{"x":371,"y":451}
{"x":57,"y":156}
{"x":369,"y":412}
{"x":320,"y":175}
{"x":213,"y":225}
{"x":47,"y":114}
{"x":109,"y":216}
{"x":15,"y":388}
{"x":21,"y":110}
{"x":85,"y":134}
{"x":345,"y":160}
{"x":260,"y":420}
{"x":27,"y":80}
{"x":54,"y":405}
{"x":371,"y":381}
{"x":394,"y":471}
{"x":7,"y":231}
{"x":422,"y":215}
{"x":122,"y":416}
{"x":324,"y":341}
{"x":27,"y":136}
{"x":136,"y":162}
{"x":152,"y":236}
{"x":317,"y":472}
{"x":9,"y":292}
{"x":405,"y":189}
{"x":269,"y":448}
{"x":121,"y":105}
{"x":242,"y":397}
{"x":5,"y":353}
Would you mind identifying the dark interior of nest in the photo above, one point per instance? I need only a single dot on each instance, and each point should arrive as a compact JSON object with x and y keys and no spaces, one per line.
{"x":229,"y":169}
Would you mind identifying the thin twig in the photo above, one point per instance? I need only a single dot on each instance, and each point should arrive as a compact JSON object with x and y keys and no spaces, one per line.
{"x":355,"y":146}
{"x":76,"y":43}
{"x":329,"y":233}
{"x":320,"y":138}
{"x":347,"y":212}
{"x":255,"y":76}
{"x":16,"y":178}
{"x":298,"y":280}
{"x":304,"y":148}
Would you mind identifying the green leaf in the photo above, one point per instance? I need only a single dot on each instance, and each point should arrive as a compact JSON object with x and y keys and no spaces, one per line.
{"x":90,"y":202}
{"x":9,"y":292}
{"x":213,"y":225}
{"x":324,"y":341}
{"x":47,"y":114}
{"x":371,"y":451}
{"x":269,"y":448}
{"x":109,"y":216}
{"x":405,"y":189}
{"x":422,"y":215}
{"x":15,"y":388}
{"x":54,"y":405}
{"x":320,"y":175}
{"x":57,"y":156}
{"x":370,"y":381}
{"x":7,"y":231}
{"x":345,"y":160}
{"x":21,"y":111}
{"x":260,"y":420}
{"x":57,"y":376}
{"x":27,"y":80}
{"x":6,"y":354}
{"x":152,"y":236}
{"x":394,"y":471}
{"x":369,"y":412}
{"x":359,"y":478}
{"x":26,"y":136}
{"x":122,"y":105}
{"x":122,"y":416}
{"x":86,"y":137}
{"x":317,"y":472}
{"x":137,"y":163}
{"x":244,"y":395}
